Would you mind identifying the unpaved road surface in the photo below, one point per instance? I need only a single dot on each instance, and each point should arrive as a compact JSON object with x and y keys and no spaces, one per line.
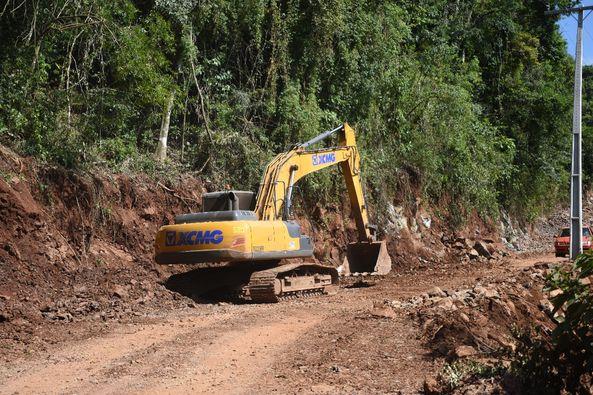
{"x":322,"y":344}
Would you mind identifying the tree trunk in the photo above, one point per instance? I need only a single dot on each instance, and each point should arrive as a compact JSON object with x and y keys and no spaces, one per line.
{"x":183,"y":127}
{"x":161,"y":149}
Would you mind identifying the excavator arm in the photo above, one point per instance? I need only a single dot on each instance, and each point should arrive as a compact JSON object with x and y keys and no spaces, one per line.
{"x":284,"y":171}
{"x":275,"y":194}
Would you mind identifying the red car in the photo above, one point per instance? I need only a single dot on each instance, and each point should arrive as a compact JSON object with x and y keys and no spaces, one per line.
{"x":562,"y":241}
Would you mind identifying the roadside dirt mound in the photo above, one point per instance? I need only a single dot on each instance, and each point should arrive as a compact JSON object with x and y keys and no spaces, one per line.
{"x":75,"y":247}
{"x":476,"y":329}
{"x":483,"y":320}
{"x":479,"y":321}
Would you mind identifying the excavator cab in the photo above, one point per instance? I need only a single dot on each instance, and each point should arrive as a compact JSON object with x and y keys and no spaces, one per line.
{"x":222,"y":206}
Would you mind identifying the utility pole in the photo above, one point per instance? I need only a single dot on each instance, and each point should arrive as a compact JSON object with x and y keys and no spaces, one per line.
{"x":576,"y":185}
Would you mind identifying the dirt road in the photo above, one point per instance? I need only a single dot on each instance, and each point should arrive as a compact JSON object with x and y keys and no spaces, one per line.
{"x":322,"y":344}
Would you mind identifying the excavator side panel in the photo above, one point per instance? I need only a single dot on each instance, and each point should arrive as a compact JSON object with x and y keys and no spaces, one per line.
{"x":230,"y":241}
{"x":201,"y":242}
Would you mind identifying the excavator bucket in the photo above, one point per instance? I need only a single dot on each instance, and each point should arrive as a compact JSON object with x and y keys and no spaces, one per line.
{"x":367,"y":258}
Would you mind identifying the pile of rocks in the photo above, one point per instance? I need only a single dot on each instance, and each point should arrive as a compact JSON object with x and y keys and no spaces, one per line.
{"x":449,"y":300}
{"x":481,"y":319}
{"x":119,"y":301}
{"x":474,"y":250}
{"x":480,"y":331}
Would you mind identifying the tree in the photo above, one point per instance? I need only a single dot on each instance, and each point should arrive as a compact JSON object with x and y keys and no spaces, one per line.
{"x":472,"y":99}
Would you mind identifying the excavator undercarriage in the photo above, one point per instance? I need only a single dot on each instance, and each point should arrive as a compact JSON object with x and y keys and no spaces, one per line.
{"x":291,"y":280}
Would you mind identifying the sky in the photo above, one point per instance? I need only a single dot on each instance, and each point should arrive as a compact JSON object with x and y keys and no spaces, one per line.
{"x":568,"y":27}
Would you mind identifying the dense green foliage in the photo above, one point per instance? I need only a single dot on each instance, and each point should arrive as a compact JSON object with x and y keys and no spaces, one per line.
{"x":471,"y":97}
{"x":563,"y":361}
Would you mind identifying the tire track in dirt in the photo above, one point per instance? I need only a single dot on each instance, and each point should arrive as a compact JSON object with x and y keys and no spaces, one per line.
{"x":217,"y":353}
{"x":67,"y":367}
{"x":235,"y":361}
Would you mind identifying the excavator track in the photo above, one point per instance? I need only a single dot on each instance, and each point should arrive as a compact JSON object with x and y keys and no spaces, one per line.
{"x":291,"y":281}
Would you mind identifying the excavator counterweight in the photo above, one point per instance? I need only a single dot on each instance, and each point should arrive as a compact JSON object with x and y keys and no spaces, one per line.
{"x":240,"y":228}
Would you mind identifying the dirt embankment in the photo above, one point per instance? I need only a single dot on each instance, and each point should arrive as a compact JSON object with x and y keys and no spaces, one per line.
{"x":78,"y":246}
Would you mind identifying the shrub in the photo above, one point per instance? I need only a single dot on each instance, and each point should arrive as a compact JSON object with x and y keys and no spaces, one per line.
{"x":563,"y":359}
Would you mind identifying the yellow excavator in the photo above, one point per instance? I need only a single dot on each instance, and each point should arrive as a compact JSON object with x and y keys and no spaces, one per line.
{"x":240,"y":228}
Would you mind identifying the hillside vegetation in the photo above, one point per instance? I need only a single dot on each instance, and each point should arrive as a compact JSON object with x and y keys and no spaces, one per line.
{"x":470,"y":99}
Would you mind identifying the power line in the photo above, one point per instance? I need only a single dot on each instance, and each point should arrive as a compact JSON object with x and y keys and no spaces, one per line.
{"x":565,"y":35}
{"x":588,"y":34}
{"x":568,"y":11}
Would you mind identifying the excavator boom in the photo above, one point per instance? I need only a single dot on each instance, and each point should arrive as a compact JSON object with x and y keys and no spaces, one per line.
{"x":287,"y":168}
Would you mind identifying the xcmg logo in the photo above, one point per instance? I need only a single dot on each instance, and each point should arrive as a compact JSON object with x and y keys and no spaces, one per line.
{"x":323,"y":158}
{"x":193,"y":238}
